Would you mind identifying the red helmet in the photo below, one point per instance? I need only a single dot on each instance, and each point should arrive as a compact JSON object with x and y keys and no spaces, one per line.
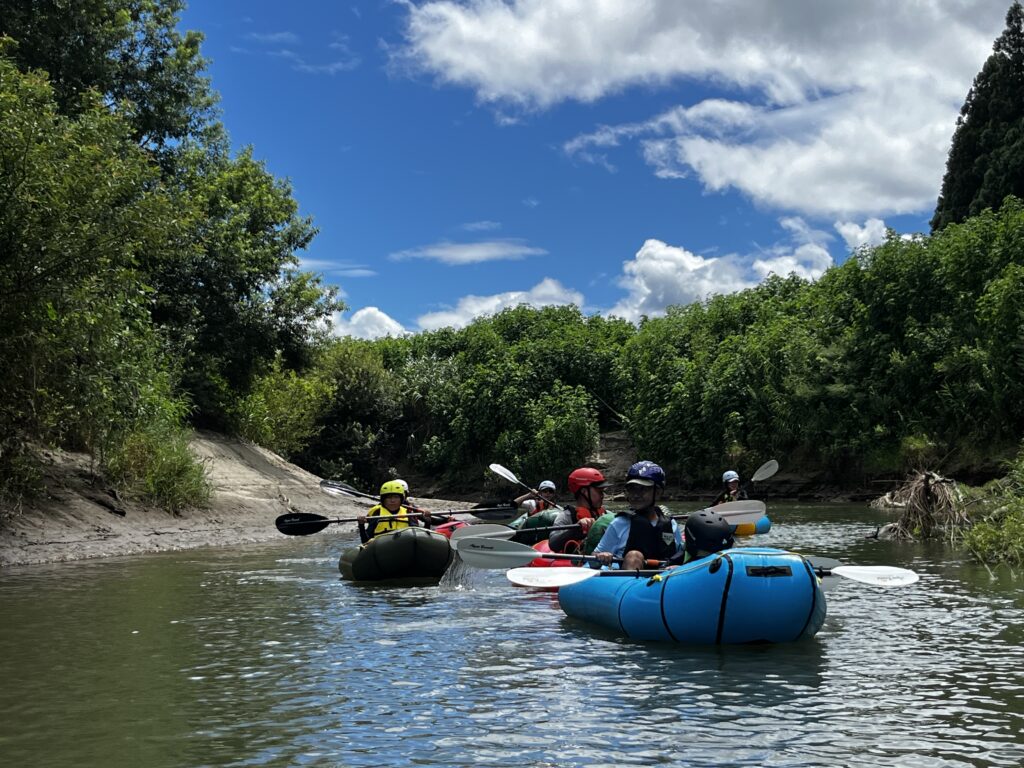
{"x":584,"y":477}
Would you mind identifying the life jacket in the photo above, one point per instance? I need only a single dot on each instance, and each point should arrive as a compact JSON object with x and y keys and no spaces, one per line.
{"x":541,"y":505}
{"x":564,"y":540}
{"x":581,"y":512}
{"x":656,"y":542}
{"x":377,"y":518}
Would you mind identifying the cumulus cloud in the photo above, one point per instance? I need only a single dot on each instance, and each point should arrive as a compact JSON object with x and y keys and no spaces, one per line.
{"x":367,"y":323}
{"x":829,"y":109}
{"x":471,"y":253}
{"x":661,"y":275}
{"x":548,"y":292}
{"x":857,"y":236}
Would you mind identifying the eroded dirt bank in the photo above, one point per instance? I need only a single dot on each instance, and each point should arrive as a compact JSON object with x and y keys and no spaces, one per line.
{"x":251,"y":487}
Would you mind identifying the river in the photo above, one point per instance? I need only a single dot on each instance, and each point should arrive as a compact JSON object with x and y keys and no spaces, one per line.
{"x":261,"y":656}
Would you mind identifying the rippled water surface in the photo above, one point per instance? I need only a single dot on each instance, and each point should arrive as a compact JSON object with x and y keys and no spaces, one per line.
{"x":261,"y":655}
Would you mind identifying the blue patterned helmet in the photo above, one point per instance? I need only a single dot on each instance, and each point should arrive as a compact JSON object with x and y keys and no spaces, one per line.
{"x":646,"y":473}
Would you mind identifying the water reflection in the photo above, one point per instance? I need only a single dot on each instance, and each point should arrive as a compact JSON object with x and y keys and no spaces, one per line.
{"x":261,"y":655}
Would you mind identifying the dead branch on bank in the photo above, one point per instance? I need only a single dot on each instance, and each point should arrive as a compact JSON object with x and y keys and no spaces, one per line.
{"x":933,"y":507}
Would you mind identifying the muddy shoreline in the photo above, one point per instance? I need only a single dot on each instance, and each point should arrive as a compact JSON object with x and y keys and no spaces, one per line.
{"x":76,"y":520}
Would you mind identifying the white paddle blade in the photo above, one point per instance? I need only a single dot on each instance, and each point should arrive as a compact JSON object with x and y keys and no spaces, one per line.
{"x":729,"y":507}
{"x":484,"y":531}
{"x":500,"y":470}
{"x":765,"y":471}
{"x":879,"y":575}
{"x":548,"y":578}
{"x":483,"y":552}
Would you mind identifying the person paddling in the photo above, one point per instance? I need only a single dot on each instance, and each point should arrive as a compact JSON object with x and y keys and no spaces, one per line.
{"x":534,"y":503}
{"x":647,"y":531}
{"x":731,"y":490}
{"x":587,"y":488}
{"x":390,"y":514}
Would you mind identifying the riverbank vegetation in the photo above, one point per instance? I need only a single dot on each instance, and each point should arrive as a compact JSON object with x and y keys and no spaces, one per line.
{"x":150,"y":284}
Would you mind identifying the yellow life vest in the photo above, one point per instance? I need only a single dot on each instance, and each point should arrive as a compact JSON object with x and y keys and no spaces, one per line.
{"x":379,"y":515}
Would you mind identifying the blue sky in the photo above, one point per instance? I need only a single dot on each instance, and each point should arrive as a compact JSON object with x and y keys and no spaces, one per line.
{"x":623,"y":155}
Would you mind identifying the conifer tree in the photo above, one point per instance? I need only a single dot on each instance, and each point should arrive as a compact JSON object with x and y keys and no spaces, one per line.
{"x":986,"y":159}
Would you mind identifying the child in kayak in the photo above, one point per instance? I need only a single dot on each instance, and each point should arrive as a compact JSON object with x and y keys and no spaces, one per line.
{"x":390,"y":514}
{"x":587,"y":488}
{"x":646,"y":531}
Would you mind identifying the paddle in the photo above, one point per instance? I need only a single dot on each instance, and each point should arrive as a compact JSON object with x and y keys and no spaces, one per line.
{"x":497,"y":553}
{"x":338,"y":488}
{"x":876,"y":575}
{"x":735,"y":512}
{"x":305,"y":523}
{"x":508,"y":475}
{"x":496,"y":531}
{"x":765,"y":471}
{"x":548,"y":578}
{"x":485,"y":510}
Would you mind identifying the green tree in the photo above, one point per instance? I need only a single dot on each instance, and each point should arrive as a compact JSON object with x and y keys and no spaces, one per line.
{"x":230,"y":295}
{"x":82,"y":365}
{"x":986,"y":159}
{"x":130,"y":51}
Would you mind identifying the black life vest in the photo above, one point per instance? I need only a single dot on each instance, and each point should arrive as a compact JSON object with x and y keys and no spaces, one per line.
{"x":656,"y":542}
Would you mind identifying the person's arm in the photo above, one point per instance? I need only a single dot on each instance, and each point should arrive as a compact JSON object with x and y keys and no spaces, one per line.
{"x":529,"y":506}
{"x":613,"y":542}
{"x":520,"y":499}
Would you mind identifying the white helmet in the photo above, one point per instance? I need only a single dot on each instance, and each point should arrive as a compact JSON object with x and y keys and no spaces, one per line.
{"x":729,"y":476}
{"x":546,"y":485}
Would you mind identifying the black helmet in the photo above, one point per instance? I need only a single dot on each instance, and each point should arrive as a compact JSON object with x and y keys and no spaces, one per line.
{"x":707,"y":532}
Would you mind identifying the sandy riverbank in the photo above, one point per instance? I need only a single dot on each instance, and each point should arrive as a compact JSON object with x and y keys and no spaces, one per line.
{"x":251,"y":487}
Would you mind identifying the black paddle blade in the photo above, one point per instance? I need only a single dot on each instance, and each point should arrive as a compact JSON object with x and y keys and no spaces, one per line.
{"x":505,"y":511}
{"x":301,"y":523}
{"x":494,"y":504}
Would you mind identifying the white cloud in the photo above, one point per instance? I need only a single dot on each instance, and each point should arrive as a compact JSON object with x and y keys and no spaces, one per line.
{"x":856,"y":236}
{"x":804,"y":255}
{"x":548,"y":292}
{"x":300,"y":64}
{"x":661,"y":275}
{"x":827,"y":109}
{"x":274,"y":38}
{"x":481,"y":226}
{"x":471,"y":253}
{"x":367,"y":323}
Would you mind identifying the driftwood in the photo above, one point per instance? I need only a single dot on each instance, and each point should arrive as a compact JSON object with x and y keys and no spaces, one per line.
{"x":932,"y":505}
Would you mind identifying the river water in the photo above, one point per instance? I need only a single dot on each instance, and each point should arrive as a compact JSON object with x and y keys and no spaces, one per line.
{"x":261,"y":656}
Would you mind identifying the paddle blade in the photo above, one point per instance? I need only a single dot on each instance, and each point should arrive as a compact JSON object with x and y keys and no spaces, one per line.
{"x":301,"y":523}
{"x":493,"y":553}
{"x":338,"y":488}
{"x":484,"y":531}
{"x":495,"y":514}
{"x":878,"y":575}
{"x":736,"y":512}
{"x":507,"y":474}
{"x":548,"y":578}
{"x":765,"y":471}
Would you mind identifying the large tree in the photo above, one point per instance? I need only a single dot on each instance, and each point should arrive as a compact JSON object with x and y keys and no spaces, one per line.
{"x":130,"y":51}
{"x":986,"y":160}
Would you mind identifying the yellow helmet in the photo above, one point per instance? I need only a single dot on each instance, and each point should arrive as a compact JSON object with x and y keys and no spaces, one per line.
{"x":392,"y":486}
